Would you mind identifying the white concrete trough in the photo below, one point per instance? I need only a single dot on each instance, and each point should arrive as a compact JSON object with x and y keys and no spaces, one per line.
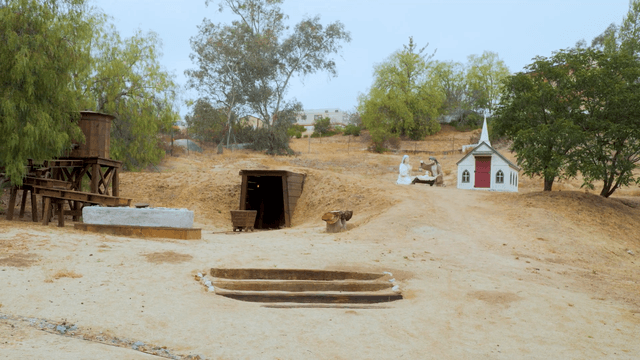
{"x":151,"y":217}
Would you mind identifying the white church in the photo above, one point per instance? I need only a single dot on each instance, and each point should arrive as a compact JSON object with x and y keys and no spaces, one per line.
{"x":484,"y":168}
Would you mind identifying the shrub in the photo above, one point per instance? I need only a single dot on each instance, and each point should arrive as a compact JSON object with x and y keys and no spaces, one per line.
{"x":322,"y":126}
{"x":352,"y":130}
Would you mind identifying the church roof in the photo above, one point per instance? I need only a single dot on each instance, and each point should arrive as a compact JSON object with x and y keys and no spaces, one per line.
{"x":492,"y":150}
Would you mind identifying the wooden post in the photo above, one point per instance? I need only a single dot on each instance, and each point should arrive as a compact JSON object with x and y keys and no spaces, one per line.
{"x":60,"y":204}
{"x":12,"y":202}
{"x":95,"y":178}
{"x":24,"y":202}
{"x":243,"y":193}
{"x":34,"y":207}
{"x":46,"y":208}
{"x":115,"y":182}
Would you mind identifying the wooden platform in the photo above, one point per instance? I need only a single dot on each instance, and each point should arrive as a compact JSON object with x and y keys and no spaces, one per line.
{"x":81,"y":196}
{"x":143,"y":231}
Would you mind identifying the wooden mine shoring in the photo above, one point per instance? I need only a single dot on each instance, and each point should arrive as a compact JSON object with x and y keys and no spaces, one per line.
{"x":292,"y":185}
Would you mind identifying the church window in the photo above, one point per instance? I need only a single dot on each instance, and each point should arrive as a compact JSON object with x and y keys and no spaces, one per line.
{"x":500,"y":177}
{"x":465,"y":176}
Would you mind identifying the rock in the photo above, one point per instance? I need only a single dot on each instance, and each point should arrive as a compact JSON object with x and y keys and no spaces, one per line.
{"x":61,"y":328}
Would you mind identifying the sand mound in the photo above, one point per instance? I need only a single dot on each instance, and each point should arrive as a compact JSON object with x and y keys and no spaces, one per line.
{"x":209,"y":185}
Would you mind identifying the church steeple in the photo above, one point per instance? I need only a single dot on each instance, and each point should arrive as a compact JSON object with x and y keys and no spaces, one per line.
{"x":484,"y":136}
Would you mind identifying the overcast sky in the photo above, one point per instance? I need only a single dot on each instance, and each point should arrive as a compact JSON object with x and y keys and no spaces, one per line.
{"x":517,"y":30}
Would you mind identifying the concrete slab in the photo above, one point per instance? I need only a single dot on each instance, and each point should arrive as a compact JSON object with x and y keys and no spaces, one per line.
{"x":152,"y":217}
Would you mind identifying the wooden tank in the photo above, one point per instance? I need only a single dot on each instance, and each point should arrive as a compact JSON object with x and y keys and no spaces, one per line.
{"x":97,"y":134}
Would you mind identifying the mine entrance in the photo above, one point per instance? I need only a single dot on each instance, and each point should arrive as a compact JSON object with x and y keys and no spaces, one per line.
{"x":273,"y":194}
{"x":264,"y":194}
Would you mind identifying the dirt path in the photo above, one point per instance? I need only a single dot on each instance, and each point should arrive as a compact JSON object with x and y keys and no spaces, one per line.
{"x":484,"y":275}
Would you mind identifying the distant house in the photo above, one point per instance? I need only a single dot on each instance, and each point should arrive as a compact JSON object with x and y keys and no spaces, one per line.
{"x":484,"y":168}
{"x":307,"y":117}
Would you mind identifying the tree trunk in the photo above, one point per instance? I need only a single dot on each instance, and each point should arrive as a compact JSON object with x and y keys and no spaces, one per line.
{"x":548,"y":183}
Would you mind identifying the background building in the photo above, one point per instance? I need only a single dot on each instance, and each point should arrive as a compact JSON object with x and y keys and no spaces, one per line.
{"x":307,"y":117}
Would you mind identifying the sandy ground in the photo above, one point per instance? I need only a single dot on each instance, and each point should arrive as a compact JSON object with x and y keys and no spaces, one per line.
{"x":485,"y":275}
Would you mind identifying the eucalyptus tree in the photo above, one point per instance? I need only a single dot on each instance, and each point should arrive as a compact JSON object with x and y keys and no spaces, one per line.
{"x":218,"y":53}
{"x":41,"y":48}
{"x":252,"y":61}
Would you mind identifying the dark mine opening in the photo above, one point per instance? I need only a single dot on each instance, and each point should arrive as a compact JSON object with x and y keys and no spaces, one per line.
{"x":264,"y":194}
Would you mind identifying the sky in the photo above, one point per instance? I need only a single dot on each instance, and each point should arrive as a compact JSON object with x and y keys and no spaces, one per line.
{"x":517,"y":30}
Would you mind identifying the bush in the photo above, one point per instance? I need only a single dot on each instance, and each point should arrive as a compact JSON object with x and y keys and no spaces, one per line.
{"x":322,"y":126}
{"x":296,"y":130}
{"x":352,"y":130}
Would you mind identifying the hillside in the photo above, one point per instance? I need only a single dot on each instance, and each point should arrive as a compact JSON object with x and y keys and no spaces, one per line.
{"x":484,"y":275}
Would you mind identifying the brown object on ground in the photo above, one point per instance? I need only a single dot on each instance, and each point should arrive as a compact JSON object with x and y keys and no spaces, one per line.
{"x":170,"y":257}
{"x":273,"y":193}
{"x":243,"y":219}
{"x":303,"y":286}
{"x":18,"y":260}
{"x":143,"y":231}
{"x":337,"y":220}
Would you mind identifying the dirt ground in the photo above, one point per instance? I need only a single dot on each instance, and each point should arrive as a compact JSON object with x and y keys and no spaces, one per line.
{"x":484,"y":275}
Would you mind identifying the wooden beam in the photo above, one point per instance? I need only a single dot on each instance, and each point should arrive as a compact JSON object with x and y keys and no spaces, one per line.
{"x":143,"y":231}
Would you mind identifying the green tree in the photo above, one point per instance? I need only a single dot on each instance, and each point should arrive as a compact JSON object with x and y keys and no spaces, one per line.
{"x":450,"y":80}
{"x":402,"y":100}
{"x":322,"y":126}
{"x":256,"y":52}
{"x":536,"y":111}
{"x":484,"y":77}
{"x":127,"y":81}
{"x":609,"y":116}
{"x":206,"y":122}
{"x":41,"y":48}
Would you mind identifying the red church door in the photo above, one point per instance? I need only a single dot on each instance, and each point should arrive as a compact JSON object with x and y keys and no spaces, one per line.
{"x":483,"y":172}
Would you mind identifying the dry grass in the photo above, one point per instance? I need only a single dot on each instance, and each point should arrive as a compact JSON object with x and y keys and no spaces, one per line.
{"x":64,"y":273}
{"x":169,"y":257}
{"x":18,"y":260}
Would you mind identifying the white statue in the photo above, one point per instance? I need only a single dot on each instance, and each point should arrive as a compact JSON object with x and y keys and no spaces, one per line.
{"x":404,"y":176}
